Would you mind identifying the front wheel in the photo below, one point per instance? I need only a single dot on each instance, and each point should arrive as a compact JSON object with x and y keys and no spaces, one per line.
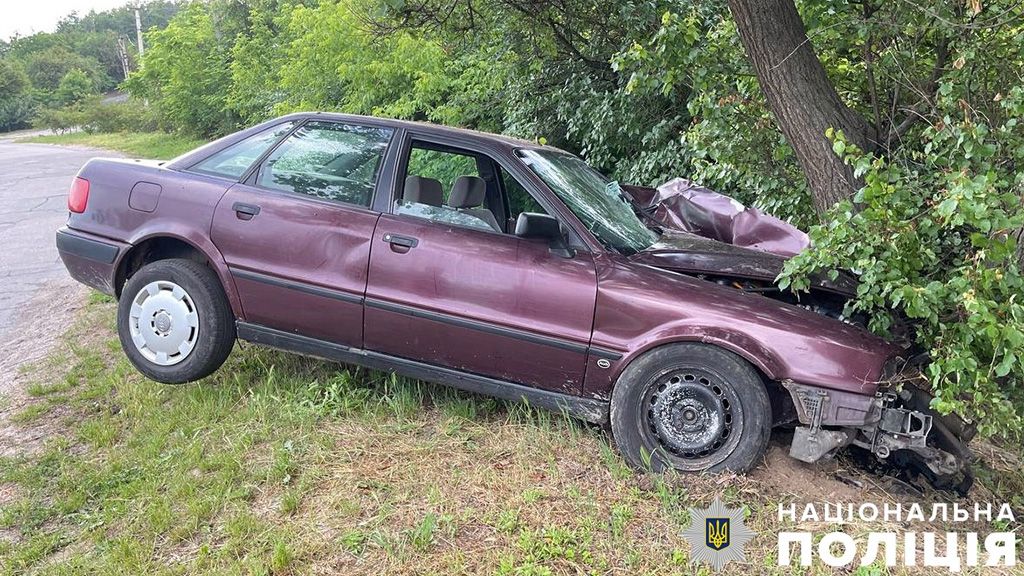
{"x":174,"y":321}
{"x":691,"y":407}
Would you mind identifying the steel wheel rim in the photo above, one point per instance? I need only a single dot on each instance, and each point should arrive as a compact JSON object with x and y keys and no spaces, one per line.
{"x":163,"y":323}
{"x":691,"y":417}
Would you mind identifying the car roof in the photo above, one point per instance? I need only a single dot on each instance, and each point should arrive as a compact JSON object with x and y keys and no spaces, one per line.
{"x":473,"y":138}
{"x":427,"y":127}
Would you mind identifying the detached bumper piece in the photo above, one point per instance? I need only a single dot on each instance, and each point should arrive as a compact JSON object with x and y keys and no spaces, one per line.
{"x":899,"y":428}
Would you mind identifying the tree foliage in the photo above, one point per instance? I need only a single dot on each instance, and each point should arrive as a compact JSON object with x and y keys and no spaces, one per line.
{"x":77,"y":61}
{"x":15,"y":102}
{"x":654,"y":89}
{"x":186,"y":74}
{"x":74,"y":87}
{"x":934,"y":234}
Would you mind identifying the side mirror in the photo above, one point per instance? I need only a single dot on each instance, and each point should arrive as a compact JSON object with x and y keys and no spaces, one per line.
{"x":543,"y":227}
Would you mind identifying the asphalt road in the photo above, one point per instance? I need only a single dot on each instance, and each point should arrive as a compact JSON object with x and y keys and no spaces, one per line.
{"x":34,"y":182}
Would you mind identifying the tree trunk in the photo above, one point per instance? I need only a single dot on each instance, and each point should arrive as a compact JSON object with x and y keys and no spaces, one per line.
{"x":800,"y":95}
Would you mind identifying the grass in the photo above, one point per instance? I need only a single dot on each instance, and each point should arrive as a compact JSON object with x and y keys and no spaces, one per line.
{"x":279,"y":464}
{"x":150,"y":145}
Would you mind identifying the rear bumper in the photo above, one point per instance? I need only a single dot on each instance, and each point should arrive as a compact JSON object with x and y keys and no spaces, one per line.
{"x":90,"y":259}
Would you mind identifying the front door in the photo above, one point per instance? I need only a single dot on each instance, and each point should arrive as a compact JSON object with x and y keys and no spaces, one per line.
{"x":450,"y":285}
{"x":296,"y":235}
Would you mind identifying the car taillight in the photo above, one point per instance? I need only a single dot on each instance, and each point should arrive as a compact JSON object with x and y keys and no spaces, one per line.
{"x":79,"y":195}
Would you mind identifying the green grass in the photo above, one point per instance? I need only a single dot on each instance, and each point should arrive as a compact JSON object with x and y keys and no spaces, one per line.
{"x":149,"y":145}
{"x":279,"y":464}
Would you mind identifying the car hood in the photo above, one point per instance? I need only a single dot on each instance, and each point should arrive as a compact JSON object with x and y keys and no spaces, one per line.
{"x":682,"y":205}
{"x":689,"y":253}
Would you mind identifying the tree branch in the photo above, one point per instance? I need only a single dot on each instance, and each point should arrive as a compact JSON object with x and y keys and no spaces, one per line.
{"x":930,"y":88}
{"x":869,"y":61}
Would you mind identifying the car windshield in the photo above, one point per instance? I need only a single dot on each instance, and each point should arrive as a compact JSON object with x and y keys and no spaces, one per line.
{"x":597,"y":201}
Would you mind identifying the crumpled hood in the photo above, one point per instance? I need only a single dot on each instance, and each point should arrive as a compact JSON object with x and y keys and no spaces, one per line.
{"x":682,"y":205}
{"x":689,"y":253}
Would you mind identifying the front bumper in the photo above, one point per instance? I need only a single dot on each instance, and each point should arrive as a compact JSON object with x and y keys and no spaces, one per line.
{"x":89,"y":259}
{"x":896,"y":425}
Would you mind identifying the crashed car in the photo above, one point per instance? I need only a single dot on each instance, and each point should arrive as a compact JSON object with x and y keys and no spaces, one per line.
{"x":898,"y":426}
{"x":502,"y":267}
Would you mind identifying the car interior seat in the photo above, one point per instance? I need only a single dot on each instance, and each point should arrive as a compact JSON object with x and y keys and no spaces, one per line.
{"x":468,"y":194}
{"x":423,"y":191}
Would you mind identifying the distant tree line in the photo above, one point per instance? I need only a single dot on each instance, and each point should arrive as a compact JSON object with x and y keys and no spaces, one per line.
{"x":78,"y":60}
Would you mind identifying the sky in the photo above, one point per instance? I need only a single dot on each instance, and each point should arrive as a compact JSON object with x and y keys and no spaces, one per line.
{"x":25,"y":17}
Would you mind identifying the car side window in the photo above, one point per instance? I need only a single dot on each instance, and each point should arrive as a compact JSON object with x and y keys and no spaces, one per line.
{"x":328,"y":160}
{"x":445,"y":167}
{"x":445,"y":186}
{"x":234,"y":160}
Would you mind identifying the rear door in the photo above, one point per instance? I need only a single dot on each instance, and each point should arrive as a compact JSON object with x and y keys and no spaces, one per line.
{"x":296,"y":233}
{"x":446,"y":288}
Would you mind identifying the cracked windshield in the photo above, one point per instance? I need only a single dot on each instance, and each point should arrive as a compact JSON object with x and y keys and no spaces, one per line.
{"x":597,"y":201}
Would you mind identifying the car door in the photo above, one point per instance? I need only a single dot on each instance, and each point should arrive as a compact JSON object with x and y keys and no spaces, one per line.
{"x":296,"y":232}
{"x":449,"y":290}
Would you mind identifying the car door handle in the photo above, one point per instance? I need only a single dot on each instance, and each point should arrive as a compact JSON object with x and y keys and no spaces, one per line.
{"x":403,"y":241}
{"x":245,"y":211}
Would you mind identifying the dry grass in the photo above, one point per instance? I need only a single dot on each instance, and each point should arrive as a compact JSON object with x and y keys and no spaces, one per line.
{"x":280,"y":464}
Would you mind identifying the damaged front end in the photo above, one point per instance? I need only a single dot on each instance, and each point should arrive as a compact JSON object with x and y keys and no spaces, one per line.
{"x":896,"y":425}
{"x":712,"y":237}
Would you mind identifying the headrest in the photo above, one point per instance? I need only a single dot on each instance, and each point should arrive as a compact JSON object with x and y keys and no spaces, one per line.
{"x":423,"y":191}
{"x":467,"y":192}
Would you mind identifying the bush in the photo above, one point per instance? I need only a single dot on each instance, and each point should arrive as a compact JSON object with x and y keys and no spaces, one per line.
{"x":187,"y":74}
{"x":16,"y":103}
{"x":58,"y":120}
{"x":16,"y":112}
{"x":74,"y":87}
{"x":47,"y":68}
{"x":126,"y":116}
{"x":96,"y":115}
{"x":934,"y":234}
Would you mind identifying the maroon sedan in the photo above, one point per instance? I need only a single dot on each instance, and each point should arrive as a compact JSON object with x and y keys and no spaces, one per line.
{"x":493,"y":265}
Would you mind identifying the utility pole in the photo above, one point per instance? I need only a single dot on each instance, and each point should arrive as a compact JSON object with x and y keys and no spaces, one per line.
{"x":122,"y":54}
{"x":138,"y":37}
{"x":138,"y":33}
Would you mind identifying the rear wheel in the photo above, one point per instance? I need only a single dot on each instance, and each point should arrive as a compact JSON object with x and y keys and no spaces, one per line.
{"x":691,"y":407}
{"x":174,"y":321}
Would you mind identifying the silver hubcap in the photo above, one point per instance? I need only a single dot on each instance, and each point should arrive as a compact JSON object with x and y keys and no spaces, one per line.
{"x":164,"y":323}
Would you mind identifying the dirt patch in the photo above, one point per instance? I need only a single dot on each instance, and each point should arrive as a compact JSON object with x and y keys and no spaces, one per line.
{"x":826,"y":481}
{"x":35,"y":333}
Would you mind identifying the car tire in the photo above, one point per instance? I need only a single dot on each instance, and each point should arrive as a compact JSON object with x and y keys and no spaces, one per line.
{"x":174,"y":321}
{"x":693,"y":408}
